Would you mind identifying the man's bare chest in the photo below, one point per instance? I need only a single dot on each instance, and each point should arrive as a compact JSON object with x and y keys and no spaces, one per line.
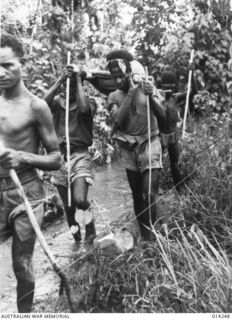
{"x":15,"y":119}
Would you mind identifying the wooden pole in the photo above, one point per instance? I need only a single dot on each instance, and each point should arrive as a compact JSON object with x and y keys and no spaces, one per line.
{"x":188,"y":94}
{"x":67,"y":113}
{"x":39,"y":234}
{"x":67,"y":132}
{"x":149,"y":148}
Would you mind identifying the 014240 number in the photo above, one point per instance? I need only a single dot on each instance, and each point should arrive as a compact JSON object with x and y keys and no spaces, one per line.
{"x":220,"y":316}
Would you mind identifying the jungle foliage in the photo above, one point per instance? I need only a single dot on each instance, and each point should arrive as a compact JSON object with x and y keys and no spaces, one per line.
{"x":188,"y":268}
{"x":160,"y":33}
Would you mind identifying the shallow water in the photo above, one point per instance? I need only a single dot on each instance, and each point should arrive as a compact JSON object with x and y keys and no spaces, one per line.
{"x":111,"y":190}
{"x":111,"y":198}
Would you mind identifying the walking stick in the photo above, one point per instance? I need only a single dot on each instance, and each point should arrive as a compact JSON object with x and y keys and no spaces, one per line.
{"x":188,"y":94}
{"x":67,"y":112}
{"x":35,"y":225}
{"x":149,"y":148}
{"x":67,"y":132}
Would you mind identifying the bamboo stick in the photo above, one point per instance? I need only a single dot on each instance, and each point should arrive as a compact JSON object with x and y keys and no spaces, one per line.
{"x":149,"y":148}
{"x":188,"y":94}
{"x":67,"y":132}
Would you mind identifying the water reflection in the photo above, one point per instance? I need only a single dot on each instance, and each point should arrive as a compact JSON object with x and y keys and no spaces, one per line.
{"x":111,"y":190}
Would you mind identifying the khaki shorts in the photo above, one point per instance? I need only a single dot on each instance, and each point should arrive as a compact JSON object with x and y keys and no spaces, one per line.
{"x":137,"y":159}
{"x":81,"y":166}
{"x":13,"y":214}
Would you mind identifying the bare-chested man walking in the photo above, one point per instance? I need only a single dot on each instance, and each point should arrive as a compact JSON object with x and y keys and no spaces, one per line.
{"x":25,"y":121}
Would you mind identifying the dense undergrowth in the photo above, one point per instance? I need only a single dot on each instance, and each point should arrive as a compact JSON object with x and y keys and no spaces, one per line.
{"x":188,"y":266}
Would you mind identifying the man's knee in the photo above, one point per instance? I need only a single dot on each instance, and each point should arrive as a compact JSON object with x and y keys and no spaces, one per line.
{"x":81,"y":202}
{"x":23,"y":269}
{"x":147,"y":197}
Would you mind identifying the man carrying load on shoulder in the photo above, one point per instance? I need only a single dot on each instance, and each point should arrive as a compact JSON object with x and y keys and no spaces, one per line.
{"x":128,"y":106}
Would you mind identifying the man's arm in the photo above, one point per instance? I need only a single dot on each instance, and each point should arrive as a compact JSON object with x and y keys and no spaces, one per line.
{"x":50,"y":94}
{"x":157,"y":108}
{"x":83,"y":102}
{"x":52,"y":160}
{"x":155,"y":101}
{"x":121,"y":114}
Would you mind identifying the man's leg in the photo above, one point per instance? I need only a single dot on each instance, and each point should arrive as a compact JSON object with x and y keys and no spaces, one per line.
{"x":135,"y":182}
{"x":80,"y":199}
{"x":70,"y":212}
{"x":22,"y":252}
{"x":173,"y":151}
{"x":149,"y":218}
{"x":80,"y":193}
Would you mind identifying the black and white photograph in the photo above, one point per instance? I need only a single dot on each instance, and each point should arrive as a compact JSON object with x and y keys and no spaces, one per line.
{"x":116,"y":159}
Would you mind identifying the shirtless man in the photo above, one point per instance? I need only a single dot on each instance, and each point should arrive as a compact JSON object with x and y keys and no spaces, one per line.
{"x":129,"y":107}
{"x":25,"y":122}
{"x":168,"y":124}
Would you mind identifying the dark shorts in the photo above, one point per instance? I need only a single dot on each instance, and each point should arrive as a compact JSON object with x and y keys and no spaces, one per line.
{"x":81,"y":166}
{"x":13,"y":214}
{"x":137,"y":158}
{"x":168,"y":138}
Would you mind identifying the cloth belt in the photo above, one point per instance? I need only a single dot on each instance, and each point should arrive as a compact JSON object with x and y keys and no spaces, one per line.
{"x":130,"y":142}
{"x":25,"y":175}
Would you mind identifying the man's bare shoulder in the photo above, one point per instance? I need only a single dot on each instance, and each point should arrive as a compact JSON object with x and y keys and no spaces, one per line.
{"x":38,"y":104}
{"x":40,"y":109}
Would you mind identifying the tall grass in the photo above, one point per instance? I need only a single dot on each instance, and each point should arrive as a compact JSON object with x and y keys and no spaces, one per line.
{"x":188,"y":266}
{"x":181,"y":273}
